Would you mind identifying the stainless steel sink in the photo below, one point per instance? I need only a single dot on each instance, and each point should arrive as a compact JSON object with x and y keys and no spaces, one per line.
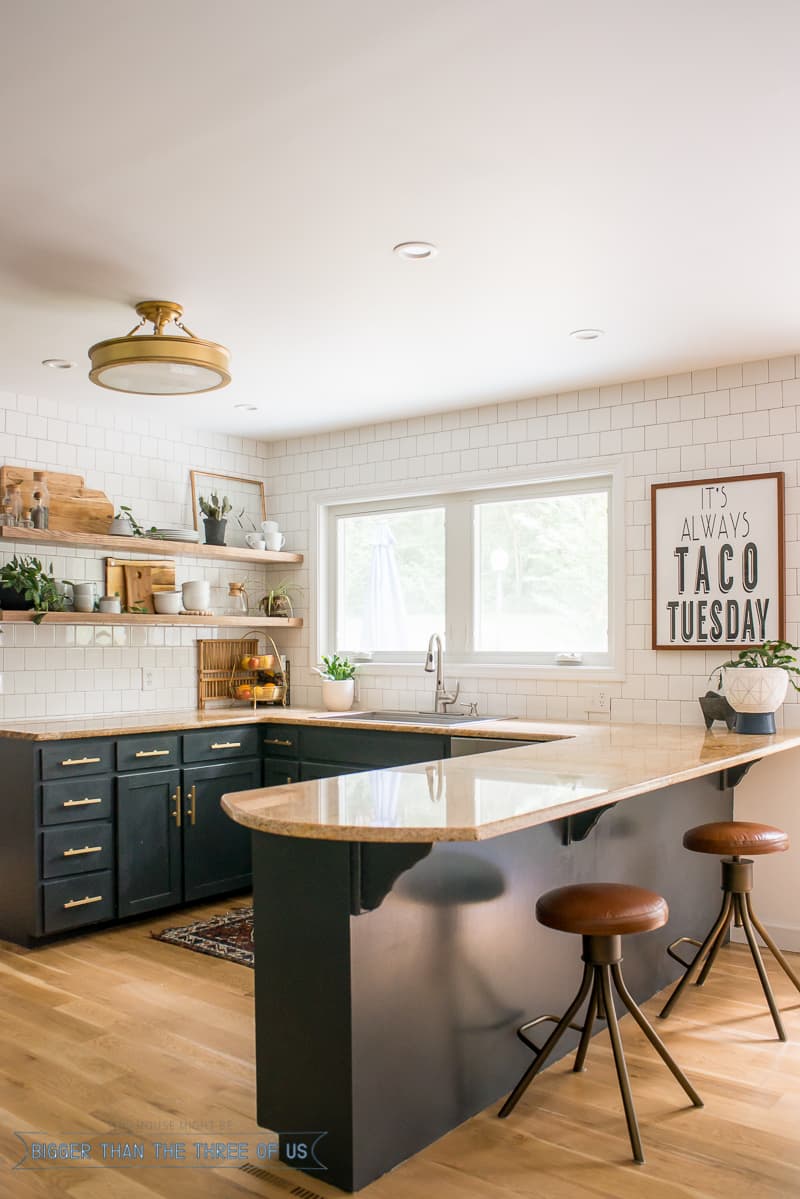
{"x":419,"y":717}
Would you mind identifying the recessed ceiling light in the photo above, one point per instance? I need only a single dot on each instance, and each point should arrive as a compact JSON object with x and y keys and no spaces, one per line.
{"x":415,"y":249}
{"x":246,"y":407}
{"x":58,"y":364}
{"x":586,"y":334}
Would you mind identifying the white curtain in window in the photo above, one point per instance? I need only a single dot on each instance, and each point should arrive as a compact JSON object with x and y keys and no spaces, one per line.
{"x":385,"y":624}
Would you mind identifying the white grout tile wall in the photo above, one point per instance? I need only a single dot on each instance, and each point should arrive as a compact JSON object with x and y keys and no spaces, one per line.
{"x":732,"y":419}
{"x":65,"y":671}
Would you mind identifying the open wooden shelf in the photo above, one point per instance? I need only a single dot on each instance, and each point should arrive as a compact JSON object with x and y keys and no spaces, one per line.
{"x":146,"y":618}
{"x":149,"y":545}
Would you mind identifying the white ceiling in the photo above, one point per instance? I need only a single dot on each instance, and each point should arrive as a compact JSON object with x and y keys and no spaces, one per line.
{"x":625,"y":165}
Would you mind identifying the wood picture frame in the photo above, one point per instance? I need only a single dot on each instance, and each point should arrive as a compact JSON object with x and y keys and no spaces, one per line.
{"x":718,"y":562}
{"x":249,"y":505}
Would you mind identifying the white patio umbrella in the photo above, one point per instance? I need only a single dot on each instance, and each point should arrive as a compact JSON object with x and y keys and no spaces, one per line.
{"x":385,"y":625}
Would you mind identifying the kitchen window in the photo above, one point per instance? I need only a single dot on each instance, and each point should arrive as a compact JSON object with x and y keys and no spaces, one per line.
{"x":510,"y":575}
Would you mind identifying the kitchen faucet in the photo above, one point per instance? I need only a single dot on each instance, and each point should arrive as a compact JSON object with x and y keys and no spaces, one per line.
{"x":443,"y":697}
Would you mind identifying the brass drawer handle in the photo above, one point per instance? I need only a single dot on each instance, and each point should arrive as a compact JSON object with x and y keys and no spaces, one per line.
{"x":227,"y":745}
{"x":192,"y":813}
{"x":78,"y":761}
{"x":176,"y":799}
{"x":277,"y":741}
{"x":79,"y":903}
{"x":73,"y":853}
{"x":152,"y":753}
{"x":80,"y":803}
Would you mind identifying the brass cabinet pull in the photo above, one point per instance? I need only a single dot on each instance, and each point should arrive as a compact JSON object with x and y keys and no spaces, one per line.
{"x":81,"y":803}
{"x":152,"y":753}
{"x":73,"y":853}
{"x":78,"y":761}
{"x":227,"y":745}
{"x":276,"y":741}
{"x":176,"y":799}
{"x":79,"y":903}
{"x":192,"y":813}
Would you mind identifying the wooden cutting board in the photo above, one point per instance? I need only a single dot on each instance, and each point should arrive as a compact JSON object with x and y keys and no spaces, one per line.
{"x":161,"y":578}
{"x":138,"y":586}
{"x":74,"y":508}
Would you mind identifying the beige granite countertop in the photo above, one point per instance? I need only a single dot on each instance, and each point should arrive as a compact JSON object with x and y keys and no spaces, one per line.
{"x":569,"y":768}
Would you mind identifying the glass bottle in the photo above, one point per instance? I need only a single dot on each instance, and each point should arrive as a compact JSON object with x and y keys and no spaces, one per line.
{"x":7,"y":513}
{"x":238,"y":600}
{"x":16,"y":505}
{"x":40,"y":513}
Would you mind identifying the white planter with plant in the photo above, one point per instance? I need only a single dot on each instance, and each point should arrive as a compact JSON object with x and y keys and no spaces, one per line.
{"x":338,"y":683}
{"x":756,"y":682}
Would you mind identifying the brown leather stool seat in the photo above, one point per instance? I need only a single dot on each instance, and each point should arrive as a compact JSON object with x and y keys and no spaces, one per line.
{"x":731,"y":840}
{"x":602,"y":914}
{"x":736,"y":837}
{"x":602,"y":909}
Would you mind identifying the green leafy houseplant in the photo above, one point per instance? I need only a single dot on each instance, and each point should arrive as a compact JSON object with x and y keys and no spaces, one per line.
{"x":278,"y":600}
{"x":336,"y":669}
{"x":780,"y":654}
{"x":214,"y":508}
{"x":28,"y":578}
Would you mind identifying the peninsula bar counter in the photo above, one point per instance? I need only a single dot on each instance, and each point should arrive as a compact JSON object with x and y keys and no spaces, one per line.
{"x":396,"y":945}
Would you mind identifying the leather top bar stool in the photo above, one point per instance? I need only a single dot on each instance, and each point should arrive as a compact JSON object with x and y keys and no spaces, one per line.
{"x":601,"y":913}
{"x":734,"y":838}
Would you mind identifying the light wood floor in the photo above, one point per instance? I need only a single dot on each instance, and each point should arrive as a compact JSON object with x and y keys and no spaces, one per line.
{"x":117,"y":1031}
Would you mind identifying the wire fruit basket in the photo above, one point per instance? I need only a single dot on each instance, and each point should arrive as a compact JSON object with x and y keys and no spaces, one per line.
{"x":243,"y":670}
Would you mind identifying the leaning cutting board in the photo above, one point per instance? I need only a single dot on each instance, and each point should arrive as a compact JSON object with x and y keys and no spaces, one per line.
{"x":74,"y":508}
{"x":161,"y":578}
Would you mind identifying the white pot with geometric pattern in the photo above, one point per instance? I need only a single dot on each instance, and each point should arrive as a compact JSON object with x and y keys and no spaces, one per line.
{"x":755,"y":688}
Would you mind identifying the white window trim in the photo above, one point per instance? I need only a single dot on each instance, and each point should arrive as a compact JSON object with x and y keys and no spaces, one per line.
{"x":403,"y":493}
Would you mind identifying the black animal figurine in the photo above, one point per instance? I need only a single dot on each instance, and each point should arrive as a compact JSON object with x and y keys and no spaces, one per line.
{"x":716,"y":707}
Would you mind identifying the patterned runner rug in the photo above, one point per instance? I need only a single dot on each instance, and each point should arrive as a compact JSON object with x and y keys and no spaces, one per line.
{"x":229,"y":936}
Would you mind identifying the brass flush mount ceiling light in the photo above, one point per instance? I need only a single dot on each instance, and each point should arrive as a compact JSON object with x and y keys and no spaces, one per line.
{"x":157,"y":363}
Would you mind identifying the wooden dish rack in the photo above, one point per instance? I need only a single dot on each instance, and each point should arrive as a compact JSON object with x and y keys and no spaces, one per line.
{"x":219,"y":671}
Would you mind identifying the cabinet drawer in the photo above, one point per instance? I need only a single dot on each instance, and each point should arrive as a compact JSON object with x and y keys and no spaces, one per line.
{"x":77,"y":799}
{"x":66,"y":758}
{"x":77,"y":849}
{"x":217,"y":745}
{"x":371,"y":748}
{"x":278,"y":773}
{"x":280,"y":740}
{"x":71,"y":902}
{"x":148,"y":751}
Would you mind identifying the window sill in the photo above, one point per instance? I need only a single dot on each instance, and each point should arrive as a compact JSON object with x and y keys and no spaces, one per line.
{"x":505,"y":670}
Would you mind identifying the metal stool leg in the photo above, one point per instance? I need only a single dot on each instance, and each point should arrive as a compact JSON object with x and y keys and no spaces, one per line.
{"x":622,"y":1069}
{"x":652,"y":1036}
{"x":550,"y":1044}
{"x":719,"y":924}
{"x":718,"y":943}
{"x":770,"y":944}
{"x":588,"y":1025}
{"x":762,"y":973}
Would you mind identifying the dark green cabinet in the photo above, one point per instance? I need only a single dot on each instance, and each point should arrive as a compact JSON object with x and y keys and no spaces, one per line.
{"x":280,"y":773}
{"x":327,"y":770}
{"x":148,"y":841}
{"x":216,"y":850}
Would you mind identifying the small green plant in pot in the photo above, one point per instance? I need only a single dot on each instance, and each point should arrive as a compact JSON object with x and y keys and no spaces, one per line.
{"x":215,"y":511}
{"x":25,"y":584}
{"x":756,"y":681}
{"x":338,"y":682}
{"x":278,"y":600}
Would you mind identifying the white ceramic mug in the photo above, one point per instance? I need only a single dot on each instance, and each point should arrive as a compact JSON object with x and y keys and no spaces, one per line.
{"x":275,"y":541}
{"x":270,"y":526}
{"x":84,"y":596}
{"x":196,"y":595}
{"x":255,"y":541}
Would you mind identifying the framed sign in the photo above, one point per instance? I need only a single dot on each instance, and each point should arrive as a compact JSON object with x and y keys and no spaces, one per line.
{"x":717,"y":562}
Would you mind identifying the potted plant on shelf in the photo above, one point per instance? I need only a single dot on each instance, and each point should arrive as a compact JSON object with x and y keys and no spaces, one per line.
{"x":25,"y":584}
{"x":756,"y":681}
{"x":214,"y":512}
{"x":278,"y":600}
{"x":338,"y":682}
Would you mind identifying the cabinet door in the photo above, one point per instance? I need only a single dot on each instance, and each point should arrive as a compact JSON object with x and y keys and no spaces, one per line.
{"x":277,"y":773}
{"x":328,"y":770}
{"x":148,"y":841}
{"x":216,"y":850}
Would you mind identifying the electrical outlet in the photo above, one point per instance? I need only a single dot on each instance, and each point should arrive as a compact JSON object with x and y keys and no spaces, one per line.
{"x":599,"y":700}
{"x":148,"y":680}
